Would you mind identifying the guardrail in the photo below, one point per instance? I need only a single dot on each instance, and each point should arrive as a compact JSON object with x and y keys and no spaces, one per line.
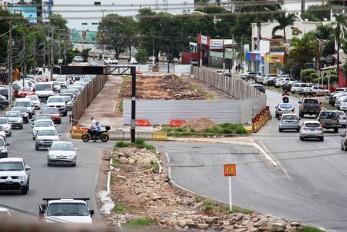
{"x":261,"y":119}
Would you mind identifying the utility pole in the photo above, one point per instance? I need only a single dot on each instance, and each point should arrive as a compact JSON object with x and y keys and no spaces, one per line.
{"x":44,"y":46}
{"x":65,"y":39}
{"x":223,"y":57}
{"x":234,"y":58}
{"x":241,"y":52}
{"x":133,"y":104}
{"x":9,"y":53}
{"x":24,"y":61}
{"x":52,"y":55}
{"x":302,"y":6}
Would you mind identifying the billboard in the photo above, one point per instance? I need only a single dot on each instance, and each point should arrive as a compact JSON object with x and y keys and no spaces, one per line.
{"x":216,"y":44}
{"x":28,"y":12}
{"x":88,"y":37}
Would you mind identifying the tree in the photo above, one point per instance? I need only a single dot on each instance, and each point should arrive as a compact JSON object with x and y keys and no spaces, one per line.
{"x":57,"y":21}
{"x":339,"y":30}
{"x":283,"y":21}
{"x":116,"y":32}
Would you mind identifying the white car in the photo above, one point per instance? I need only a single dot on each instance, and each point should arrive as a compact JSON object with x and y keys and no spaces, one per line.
{"x":15,"y":118}
{"x":78,"y":59}
{"x":2,"y":131}
{"x":59,"y":103}
{"x":3,"y":147}
{"x":62,"y":81}
{"x":110,"y":61}
{"x":56,"y":86}
{"x":14,"y":174}
{"x":298,"y":87}
{"x":62,"y":152}
{"x":35,"y":100}
{"x":320,"y":91}
{"x":45,"y":137}
{"x":26,"y":102}
{"x":44,"y":89}
{"x":5,"y":123}
{"x":66,"y":211}
{"x":42,"y":124}
{"x":342,"y":118}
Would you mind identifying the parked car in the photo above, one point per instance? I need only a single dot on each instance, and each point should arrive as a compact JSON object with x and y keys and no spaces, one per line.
{"x":329,"y":120}
{"x":289,"y":122}
{"x":14,"y":174}
{"x":311,"y":130}
{"x":319,"y":91}
{"x":342,"y":118}
{"x":248,"y":75}
{"x":283,"y":108}
{"x":309,"y":106}
{"x":298,"y":87}
{"x":269,"y":79}
{"x":45,"y":137}
{"x":15,"y":119}
{"x":336,"y":95}
{"x":259,"y":87}
{"x":62,"y":152}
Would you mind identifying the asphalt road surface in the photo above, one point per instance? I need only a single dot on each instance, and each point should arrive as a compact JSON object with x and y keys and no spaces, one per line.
{"x":65,"y":182}
{"x":308,"y":182}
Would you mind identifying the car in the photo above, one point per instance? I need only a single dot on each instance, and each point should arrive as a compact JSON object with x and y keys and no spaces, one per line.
{"x":283,"y":108}
{"x":35,"y":100}
{"x":44,"y":89}
{"x":23,"y":112}
{"x":110,"y":61}
{"x":24,"y":91}
{"x":59,"y":103}
{"x":3,"y":147}
{"x":66,"y":210}
{"x":45,"y":137}
{"x":319,"y":91}
{"x":258,"y":87}
{"x":42,"y":124}
{"x":6,"y":125}
{"x":339,"y":100}
{"x":14,"y":175}
{"x":298,"y":87}
{"x":62,"y":82}
{"x":248,"y":75}
{"x":54,"y":113}
{"x":334,"y":96}
{"x":329,"y":120}
{"x":41,"y":116}
{"x":311,"y":106}
{"x":69,"y":101}
{"x":78,"y":59}
{"x":4,"y":103}
{"x":56,"y":86}
{"x":342,"y":118}
{"x":289,"y":122}
{"x":27,"y":103}
{"x":5,"y":90}
{"x":62,"y":152}
{"x":311,"y":130}
{"x":270,"y":79}
{"x":2,"y":131}
{"x":15,"y":118}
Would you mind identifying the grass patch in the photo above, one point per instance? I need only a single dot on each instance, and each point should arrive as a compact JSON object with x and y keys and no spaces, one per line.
{"x":139,"y":222}
{"x":119,"y":208}
{"x":197,"y":88}
{"x":115,"y":161}
{"x":240,"y":210}
{"x":220,"y":129}
{"x":139,"y":143}
{"x":310,"y":229}
{"x":120,"y":106}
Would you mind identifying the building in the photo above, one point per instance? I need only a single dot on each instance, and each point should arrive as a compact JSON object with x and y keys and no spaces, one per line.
{"x":296,"y":6}
{"x":85,"y":14}
{"x":27,"y":9}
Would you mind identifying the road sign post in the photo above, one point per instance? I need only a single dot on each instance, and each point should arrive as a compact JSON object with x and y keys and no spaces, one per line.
{"x":229,"y":171}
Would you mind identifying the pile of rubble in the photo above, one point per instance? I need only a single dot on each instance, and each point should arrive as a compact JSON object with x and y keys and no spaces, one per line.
{"x":200,"y":124}
{"x":135,"y":156}
{"x":166,"y":87}
{"x":151,"y":195}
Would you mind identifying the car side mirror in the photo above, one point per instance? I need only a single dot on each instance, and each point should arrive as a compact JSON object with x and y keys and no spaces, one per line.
{"x":91,"y":212}
{"x":7,"y":144}
{"x":59,"y":135}
{"x":27,"y":168}
{"x":42,"y":208}
{"x":300,"y":102}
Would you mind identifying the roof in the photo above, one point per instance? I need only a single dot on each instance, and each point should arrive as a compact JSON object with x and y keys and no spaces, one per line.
{"x":12,"y":159}
{"x":311,"y":121}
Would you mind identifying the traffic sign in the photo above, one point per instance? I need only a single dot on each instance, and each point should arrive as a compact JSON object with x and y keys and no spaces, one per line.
{"x":229,"y":169}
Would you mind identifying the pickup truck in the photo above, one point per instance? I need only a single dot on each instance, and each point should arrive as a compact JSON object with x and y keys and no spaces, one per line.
{"x":315,"y":91}
{"x":71,"y":210}
{"x":309,"y":106}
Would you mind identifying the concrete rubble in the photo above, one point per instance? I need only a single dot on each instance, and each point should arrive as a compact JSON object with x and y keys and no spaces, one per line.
{"x":150,"y":194}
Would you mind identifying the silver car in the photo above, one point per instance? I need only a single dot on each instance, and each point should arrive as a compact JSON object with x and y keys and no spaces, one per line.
{"x":311,"y":130}
{"x":289,"y":122}
{"x":62,"y":153}
{"x":284,"y":108}
{"x":342,"y":118}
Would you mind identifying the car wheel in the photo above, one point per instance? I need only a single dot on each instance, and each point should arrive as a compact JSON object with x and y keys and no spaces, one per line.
{"x":73,"y":164}
{"x":25,"y":189}
{"x":336,"y":130}
{"x":301,"y":138}
{"x":322,"y":139}
{"x":279,"y":130}
{"x":37,"y":148}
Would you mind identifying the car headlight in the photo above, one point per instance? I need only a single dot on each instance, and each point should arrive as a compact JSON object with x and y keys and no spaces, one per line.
{"x":21,"y":177}
{"x":3,"y":150}
{"x":53,"y":156}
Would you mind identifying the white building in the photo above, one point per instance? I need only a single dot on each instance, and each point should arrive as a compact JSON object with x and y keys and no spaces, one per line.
{"x":85,"y":14}
{"x":295,"y":6}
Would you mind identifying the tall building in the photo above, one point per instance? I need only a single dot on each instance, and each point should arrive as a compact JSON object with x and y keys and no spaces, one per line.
{"x":85,"y":14}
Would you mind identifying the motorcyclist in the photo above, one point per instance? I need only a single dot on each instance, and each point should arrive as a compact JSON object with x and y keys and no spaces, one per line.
{"x":93,"y":128}
{"x":97,"y":130}
{"x":285,"y":96}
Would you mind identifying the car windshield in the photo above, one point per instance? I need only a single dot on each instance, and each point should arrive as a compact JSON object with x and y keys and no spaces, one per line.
{"x":327,"y":114}
{"x":67,"y":209}
{"x":20,"y":109}
{"x":23,"y":103}
{"x":62,"y":147}
{"x":312,"y":125}
{"x":44,"y":123}
{"x":55,"y":99}
{"x":33,"y":97}
{"x":47,"y":133}
{"x":43,"y":87}
{"x":289,"y":117}
{"x":42,"y":116}
{"x":12,"y":114}
{"x":50,"y":110}
{"x":285,"y":106}
{"x":11,"y":166}
{"x":3,"y":120}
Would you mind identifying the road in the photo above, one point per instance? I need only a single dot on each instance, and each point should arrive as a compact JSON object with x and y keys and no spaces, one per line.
{"x":308,"y":183}
{"x":79,"y":181}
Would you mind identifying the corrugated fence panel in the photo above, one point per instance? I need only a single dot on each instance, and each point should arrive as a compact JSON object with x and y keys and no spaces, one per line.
{"x":162,"y":111}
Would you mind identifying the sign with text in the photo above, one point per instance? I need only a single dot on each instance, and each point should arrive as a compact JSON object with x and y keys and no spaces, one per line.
{"x":216,"y":44}
{"x":229,"y":169}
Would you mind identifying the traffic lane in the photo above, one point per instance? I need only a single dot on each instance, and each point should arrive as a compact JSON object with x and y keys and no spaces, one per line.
{"x":317,"y":170}
{"x":257,"y":186}
{"x":79,"y":181}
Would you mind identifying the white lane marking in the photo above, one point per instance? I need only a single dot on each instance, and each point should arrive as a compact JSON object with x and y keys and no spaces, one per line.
{"x":274,"y":158}
{"x":265,"y":154}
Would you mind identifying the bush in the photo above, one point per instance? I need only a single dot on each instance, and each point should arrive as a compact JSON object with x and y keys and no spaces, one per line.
{"x":305,"y":74}
{"x":139,"y":222}
{"x":121,"y":144}
{"x":310,"y":229}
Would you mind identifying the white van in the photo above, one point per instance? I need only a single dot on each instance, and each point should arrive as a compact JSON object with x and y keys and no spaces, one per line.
{"x":44,"y":89}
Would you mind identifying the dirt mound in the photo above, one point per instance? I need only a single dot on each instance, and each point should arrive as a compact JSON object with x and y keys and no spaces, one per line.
{"x":200,"y":124}
{"x":165,"y":87}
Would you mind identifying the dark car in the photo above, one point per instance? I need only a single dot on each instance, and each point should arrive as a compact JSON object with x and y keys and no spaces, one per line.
{"x":3,"y":102}
{"x":329,"y":120}
{"x":309,"y":106}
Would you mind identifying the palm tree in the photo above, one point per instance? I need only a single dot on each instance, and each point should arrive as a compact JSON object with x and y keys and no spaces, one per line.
{"x":284,"y":21}
{"x":340,"y":29}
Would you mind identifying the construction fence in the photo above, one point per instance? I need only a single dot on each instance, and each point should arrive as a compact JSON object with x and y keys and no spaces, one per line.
{"x":86,"y":96}
{"x":230,"y":85}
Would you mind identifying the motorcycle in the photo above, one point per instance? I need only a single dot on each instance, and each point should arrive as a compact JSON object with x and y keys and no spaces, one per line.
{"x":285,"y":98}
{"x":103,"y":135}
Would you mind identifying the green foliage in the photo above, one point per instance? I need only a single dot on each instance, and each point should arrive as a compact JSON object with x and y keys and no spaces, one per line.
{"x":139,"y":222}
{"x":305,"y":74}
{"x":310,"y":229}
{"x":284,"y":21}
{"x":119,"y":208}
{"x":139,"y":143}
{"x":141,"y":56}
{"x":85,"y":53}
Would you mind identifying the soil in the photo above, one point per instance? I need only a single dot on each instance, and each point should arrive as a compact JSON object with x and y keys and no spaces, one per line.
{"x":166,"y":87}
{"x":200,"y":124}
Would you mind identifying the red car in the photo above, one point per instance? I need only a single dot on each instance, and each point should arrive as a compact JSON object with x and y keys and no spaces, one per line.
{"x":54,"y":112}
{"x":24,"y":91}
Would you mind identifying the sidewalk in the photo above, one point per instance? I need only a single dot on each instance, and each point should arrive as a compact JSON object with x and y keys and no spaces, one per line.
{"x":103,"y":107}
